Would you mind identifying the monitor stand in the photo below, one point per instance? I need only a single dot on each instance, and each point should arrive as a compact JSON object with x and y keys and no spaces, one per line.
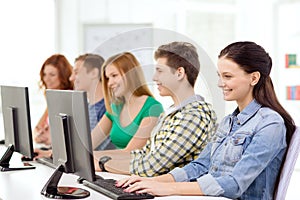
{"x":51,"y":190}
{"x":4,"y":161}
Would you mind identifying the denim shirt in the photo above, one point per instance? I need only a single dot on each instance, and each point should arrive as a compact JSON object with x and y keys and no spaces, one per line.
{"x":243,"y":159}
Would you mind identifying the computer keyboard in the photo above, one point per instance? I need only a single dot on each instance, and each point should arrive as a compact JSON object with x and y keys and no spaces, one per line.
{"x":46,"y":161}
{"x":108,"y":188}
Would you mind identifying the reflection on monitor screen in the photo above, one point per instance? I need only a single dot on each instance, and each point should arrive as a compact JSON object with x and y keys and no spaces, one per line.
{"x":17,"y":125}
{"x":71,"y":139}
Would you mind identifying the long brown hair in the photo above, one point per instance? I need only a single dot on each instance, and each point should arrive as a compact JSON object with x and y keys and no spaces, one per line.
{"x":64,"y":69}
{"x":130,"y":68}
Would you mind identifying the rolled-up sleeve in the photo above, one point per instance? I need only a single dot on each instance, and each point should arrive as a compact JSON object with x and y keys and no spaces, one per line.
{"x":179,"y":175}
{"x":209,"y":185}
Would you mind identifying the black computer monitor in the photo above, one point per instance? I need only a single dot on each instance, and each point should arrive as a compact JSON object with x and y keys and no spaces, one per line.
{"x":17,"y":126}
{"x":71,"y":140}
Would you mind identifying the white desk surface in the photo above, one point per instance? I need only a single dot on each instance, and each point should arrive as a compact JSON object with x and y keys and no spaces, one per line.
{"x":27,"y":184}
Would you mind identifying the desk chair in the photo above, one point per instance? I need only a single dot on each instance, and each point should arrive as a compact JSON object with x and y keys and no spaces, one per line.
{"x":288,"y":166}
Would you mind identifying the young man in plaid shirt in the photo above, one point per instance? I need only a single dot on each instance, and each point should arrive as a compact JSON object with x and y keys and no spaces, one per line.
{"x":182,"y":131}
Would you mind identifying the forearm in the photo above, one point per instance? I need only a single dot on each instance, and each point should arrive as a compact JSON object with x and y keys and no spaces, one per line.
{"x":41,"y":123}
{"x":116,"y":154}
{"x":118,"y":166}
{"x":97,"y":136}
{"x":101,"y":131}
{"x":164,"y":178}
{"x":43,"y":120}
{"x":135,"y":143}
{"x":185,"y":188}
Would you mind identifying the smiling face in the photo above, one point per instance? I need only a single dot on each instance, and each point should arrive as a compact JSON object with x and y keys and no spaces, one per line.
{"x":237,"y":85}
{"x":51,"y":77}
{"x":164,"y":78}
{"x":115,"y":81}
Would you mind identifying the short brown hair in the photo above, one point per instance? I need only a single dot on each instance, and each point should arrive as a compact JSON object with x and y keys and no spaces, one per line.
{"x":181,"y":54}
{"x":91,"y":61}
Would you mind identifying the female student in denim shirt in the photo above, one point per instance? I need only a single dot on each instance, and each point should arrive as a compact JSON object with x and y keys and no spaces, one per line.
{"x":245,"y":157}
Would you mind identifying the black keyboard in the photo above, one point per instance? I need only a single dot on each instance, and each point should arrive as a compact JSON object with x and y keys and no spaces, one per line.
{"x":108,"y":188}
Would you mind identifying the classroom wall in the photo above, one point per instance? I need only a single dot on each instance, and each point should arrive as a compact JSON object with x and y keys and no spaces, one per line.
{"x":34,"y":29}
{"x":210,"y":24}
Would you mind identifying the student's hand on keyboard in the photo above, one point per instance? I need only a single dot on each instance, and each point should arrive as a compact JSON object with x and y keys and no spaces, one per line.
{"x":125,"y":182}
{"x":42,"y":153}
{"x":151,"y":187}
{"x":148,"y":185}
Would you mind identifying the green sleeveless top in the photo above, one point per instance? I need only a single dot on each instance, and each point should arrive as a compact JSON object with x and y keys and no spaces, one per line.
{"x":120,"y":136}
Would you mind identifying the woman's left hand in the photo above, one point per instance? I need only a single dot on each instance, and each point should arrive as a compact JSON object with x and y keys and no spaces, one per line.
{"x":152,"y":187}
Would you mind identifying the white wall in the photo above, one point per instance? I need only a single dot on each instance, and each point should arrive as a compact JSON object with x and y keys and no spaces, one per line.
{"x":197,"y":21}
{"x":210,"y":24}
{"x":27,"y":39}
{"x":288,"y":40}
{"x":30,"y":33}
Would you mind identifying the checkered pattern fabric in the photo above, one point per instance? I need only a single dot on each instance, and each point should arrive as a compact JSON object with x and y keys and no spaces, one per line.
{"x":181,"y":137}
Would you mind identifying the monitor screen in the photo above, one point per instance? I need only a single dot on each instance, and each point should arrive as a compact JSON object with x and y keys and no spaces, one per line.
{"x":70,"y":133}
{"x":17,"y":123}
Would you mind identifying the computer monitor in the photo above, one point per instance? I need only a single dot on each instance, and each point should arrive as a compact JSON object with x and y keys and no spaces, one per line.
{"x":71,"y":140}
{"x":72,"y":148}
{"x":17,"y":126}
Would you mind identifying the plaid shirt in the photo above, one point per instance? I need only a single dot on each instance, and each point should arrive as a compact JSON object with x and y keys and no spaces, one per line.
{"x":177,"y":139}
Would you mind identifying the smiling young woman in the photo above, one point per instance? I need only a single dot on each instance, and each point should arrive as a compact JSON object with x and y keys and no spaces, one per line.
{"x":131,"y":110}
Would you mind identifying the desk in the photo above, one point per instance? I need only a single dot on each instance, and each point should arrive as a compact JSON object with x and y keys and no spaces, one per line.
{"x":27,"y":184}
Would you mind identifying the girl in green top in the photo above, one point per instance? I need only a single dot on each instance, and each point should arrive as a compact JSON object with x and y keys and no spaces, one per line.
{"x":131,"y":110}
